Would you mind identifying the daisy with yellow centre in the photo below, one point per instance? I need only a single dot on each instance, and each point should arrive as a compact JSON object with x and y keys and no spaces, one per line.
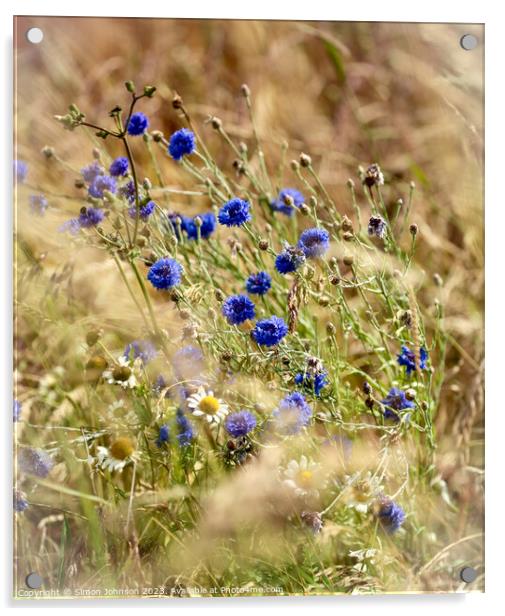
{"x":205,"y":404}
{"x":120,"y":453}
{"x":124,"y":373}
{"x":363,"y":490}
{"x":303,"y":477}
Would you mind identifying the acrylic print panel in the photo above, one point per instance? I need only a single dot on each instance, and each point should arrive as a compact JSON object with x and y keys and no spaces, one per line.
{"x":248,"y":308}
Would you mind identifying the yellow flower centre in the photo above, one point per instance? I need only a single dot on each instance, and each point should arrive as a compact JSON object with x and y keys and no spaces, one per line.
{"x":304,"y":478}
{"x":209,"y":405}
{"x":122,"y":448}
{"x":362,"y":491}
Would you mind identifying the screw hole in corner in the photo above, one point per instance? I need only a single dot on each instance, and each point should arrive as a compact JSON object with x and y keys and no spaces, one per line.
{"x":34,"y":36}
{"x":468,"y":42}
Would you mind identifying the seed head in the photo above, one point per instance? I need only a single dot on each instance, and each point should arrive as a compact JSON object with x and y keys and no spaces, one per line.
{"x":410,"y":394}
{"x":373,"y":176}
{"x":48,"y":151}
{"x":96,"y":363}
{"x":177,"y":102}
{"x":346,"y":224}
{"x":348,"y":260}
{"x":226,"y":356}
{"x":149,"y":91}
{"x":305,"y":160}
{"x":406,"y":318}
{"x":92,"y":337}
{"x":185,"y":314}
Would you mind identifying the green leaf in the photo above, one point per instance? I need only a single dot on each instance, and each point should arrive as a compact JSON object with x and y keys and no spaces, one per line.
{"x":337,"y":61}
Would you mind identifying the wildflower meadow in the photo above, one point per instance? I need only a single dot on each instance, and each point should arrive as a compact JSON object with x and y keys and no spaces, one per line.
{"x":248,"y":311}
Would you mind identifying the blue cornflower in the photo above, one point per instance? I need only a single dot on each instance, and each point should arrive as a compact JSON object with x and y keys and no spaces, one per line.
{"x":312,"y":382}
{"x":100,"y":184}
{"x":188,"y":363}
{"x":92,"y":171}
{"x":20,"y":170}
{"x":269,"y":332}
{"x":140,"y":349}
{"x":90,"y":217}
{"x":72,"y":226}
{"x":138,"y":124}
{"x":314,"y":242}
{"x":159,"y":385}
{"x":237,"y":309}
{"x":395,"y":401}
{"x":20,"y":503}
{"x":181,"y":143}
{"x":234,"y":213}
{"x":38,"y":204}
{"x":17,"y":410}
{"x":185,"y":429}
{"x":35,"y":462}
{"x":206,"y":228}
{"x":407,"y":358}
{"x":258,"y":284}
{"x":119,"y":166}
{"x":144,"y":211}
{"x":314,"y":377}
{"x":280,"y":204}
{"x":377,"y":226}
{"x":128,"y":191}
{"x":289,"y":260}
{"x":165,"y":273}
{"x":292,"y":414}
{"x":163,"y":435}
{"x":240,"y":423}
{"x":391,"y":515}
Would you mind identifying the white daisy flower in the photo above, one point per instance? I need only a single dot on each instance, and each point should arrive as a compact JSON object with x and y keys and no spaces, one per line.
{"x":205,"y":404}
{"x":117,"y":456}
{"x":123,"y":373}
{"x":363,"y":491}
{"x":303,"y":477}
